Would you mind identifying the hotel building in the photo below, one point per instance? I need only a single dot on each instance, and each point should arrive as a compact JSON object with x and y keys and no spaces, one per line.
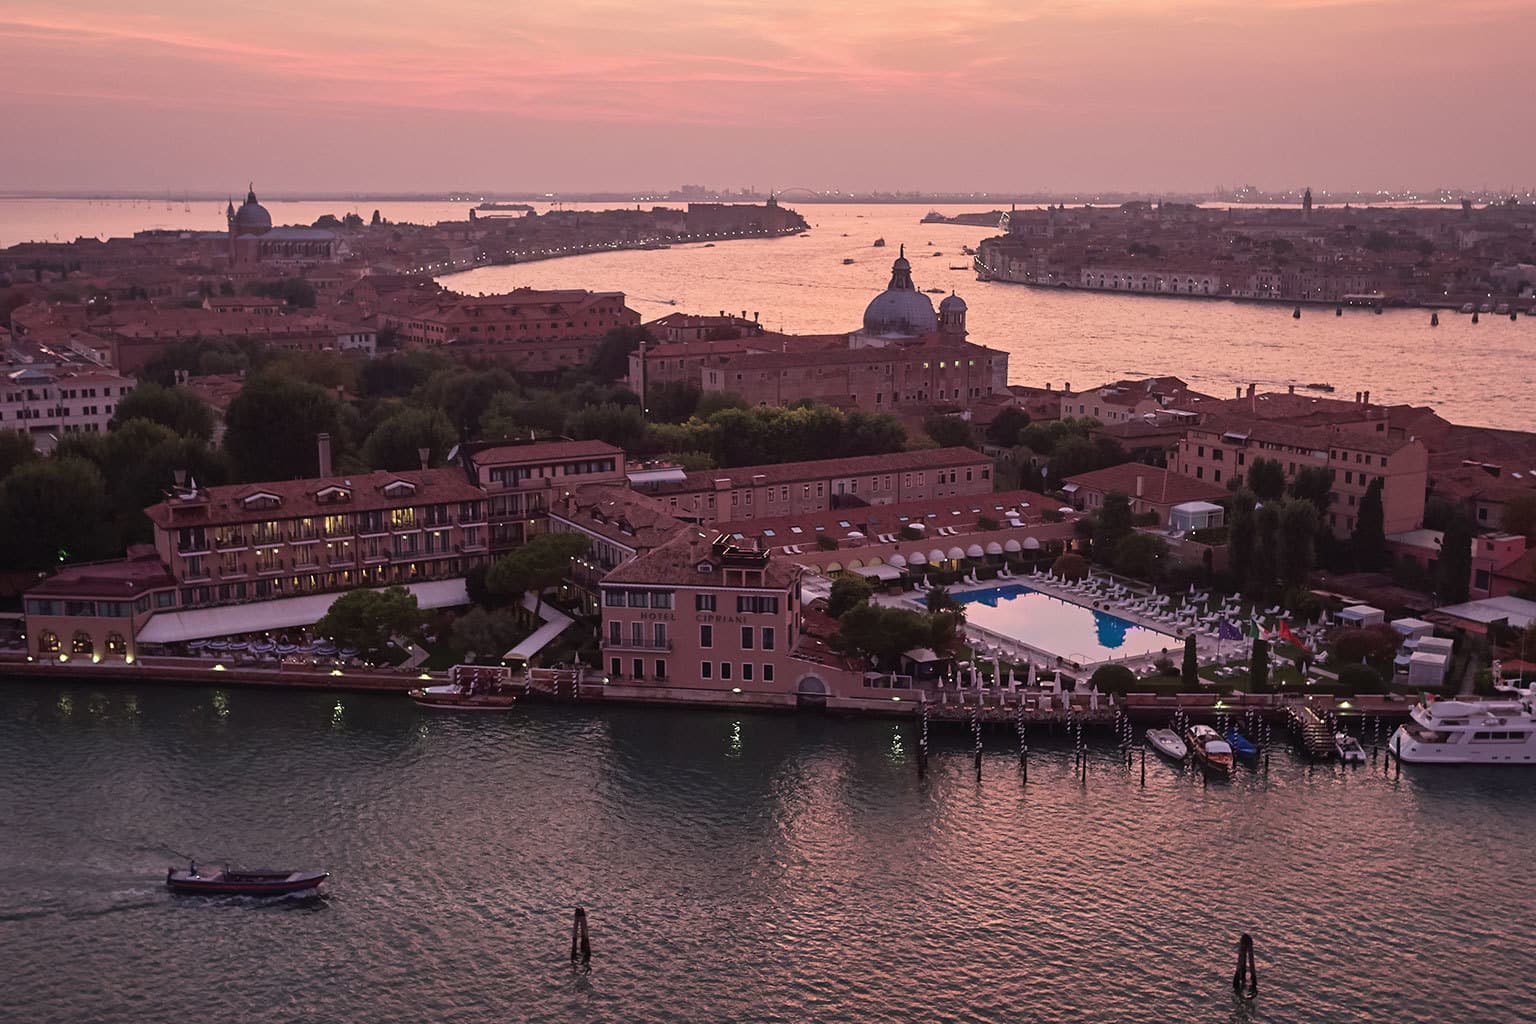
{"x":46,"y":404}
{"x":523,"y":481}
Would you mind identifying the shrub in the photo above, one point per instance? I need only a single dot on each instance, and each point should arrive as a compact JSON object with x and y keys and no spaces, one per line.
{"x":1165,"y":667}
{"x":986,"y":523}
{"x":1115,"y":679}
{"x":1052,"y":515}
{"x":825,"y":543}
{"x":909,"y":532}
{"x":1358,"y":678}
{"x":1070,"y":566}
{"x":1147,"y":519}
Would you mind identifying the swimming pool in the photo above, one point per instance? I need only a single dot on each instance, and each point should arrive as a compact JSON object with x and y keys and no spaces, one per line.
{"x":1060,"y":628}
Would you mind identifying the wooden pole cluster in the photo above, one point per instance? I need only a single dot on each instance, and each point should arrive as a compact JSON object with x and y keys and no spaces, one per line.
{"x":581,"y":946}
{"x":976,"y":732}
{"x":1245,"y":981}
{"x":1018,"y":725}
{"x":922,"y":738}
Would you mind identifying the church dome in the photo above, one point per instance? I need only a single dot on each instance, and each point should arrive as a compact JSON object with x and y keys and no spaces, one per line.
{"x":252,"y":218}
{"x":901,"y":309}
{"x":952,"y":304}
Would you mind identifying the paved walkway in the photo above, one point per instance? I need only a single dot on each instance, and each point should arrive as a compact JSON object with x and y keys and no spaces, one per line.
{"x":555,"y":623}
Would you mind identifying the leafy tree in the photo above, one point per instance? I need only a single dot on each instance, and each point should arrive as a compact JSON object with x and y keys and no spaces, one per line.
{"x":1313,"y":484}
{"x":395,"y":443}
{"x":511,"y":416}
{"x":176,"y":408}
{"x":1113,"y":523}
{"x":672,"y":401}
{"x":399,"y":374}
{"x":366,"y":619}
{"x":1266,"y":479}
{"x":463,"y":394}
{"x":1520,"y":516}
{"x":939,"y":599}
{"x":848,"y":591}
{"x":376,"y":220}
{"x":15,"y":449}
{"x":54,"y":511}
{"x":711,"y":402}
{"x":271,"y":424}
{"x":1113,"y":679}
{"x":616,"y":424}
{"x":1369,"y":541}
{"x":610,"y":361}
{"x":1140,"y":555}
{"x":1191,"y":667}
{"x":1297,"y":537}
{"x":1258,"y":670}
{"x":1357,"y":678}
{"x":295,"y":291}
{"x":947,"y":431}
{"x":536,"y":566}
{"x":487,"y":634}
{"x":883,"y":634}
{"x":1006,"y":425}
{"x":1264,"y":564}
{"x":1242,"y":536}
{"x":1070,"y":566}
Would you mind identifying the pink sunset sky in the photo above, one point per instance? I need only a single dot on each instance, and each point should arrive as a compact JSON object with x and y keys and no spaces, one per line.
{"x":360,"y":95}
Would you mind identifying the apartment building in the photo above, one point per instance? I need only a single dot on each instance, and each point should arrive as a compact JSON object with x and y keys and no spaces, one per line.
{"x":523,"y":481}
{"x":796,"y":488}
{"x":1220,"y":449}
{"x":48,"y":403}
{"x":524,"y":315}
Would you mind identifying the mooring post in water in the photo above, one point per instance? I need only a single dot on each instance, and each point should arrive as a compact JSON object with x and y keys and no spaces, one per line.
{"x":1397,"y":772}
{"x":1245,"y":981}
{"x":976,"y":732}
{"x":581,"y":946}
{"x":1143,"y":765}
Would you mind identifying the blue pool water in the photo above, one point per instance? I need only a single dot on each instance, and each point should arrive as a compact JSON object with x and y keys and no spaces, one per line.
{"x":1053,"y":626}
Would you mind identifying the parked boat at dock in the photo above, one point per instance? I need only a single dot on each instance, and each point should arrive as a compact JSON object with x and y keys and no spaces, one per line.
{"x":1469,"y":732}
{"x":1348,"y":748}
{"x":470,"y":688}
{"x":1167,"y":743}
{"x":1240,"y":744}
{"x":1213,"y":752}
{"x":261,"y":882}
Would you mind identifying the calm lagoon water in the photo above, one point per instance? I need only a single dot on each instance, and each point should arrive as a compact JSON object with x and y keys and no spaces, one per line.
{"x":736,"y":868}
{"x":1054,"y":626}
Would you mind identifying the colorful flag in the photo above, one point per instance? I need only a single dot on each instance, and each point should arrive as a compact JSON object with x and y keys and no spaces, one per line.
{"x":1286,"y":634}
{"x":1226,"y":629}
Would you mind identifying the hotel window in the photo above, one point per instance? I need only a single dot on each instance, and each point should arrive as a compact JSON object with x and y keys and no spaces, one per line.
{"x":659,"y":634}
{"x":613,"y":598}
{"x":637,"y":634}
{"x":661,"y":669}
{"x":706,"y":669}
{"x":746,"y":638}
{"x":725,"y":670}
{"x":706,"y":636}
{"x":767,"y":672}
{"x":402,"y":518}
{"x":767,"y":638}
{"x":703,"y":602}
{"x":639,"y":666}
{"x":746,"y":671}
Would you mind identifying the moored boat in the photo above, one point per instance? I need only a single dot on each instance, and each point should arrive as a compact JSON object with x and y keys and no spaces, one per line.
{"x":260,"y":882}
{"x":470,"y":688}
{"x":1348,"y":748}
{"x":1240,"y":744}
{"x":1469,"y":732}
{"x":1167,"y":743}
{"x":1210,"y":749}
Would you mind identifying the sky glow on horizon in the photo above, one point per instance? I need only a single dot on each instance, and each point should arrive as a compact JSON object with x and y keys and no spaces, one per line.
{"x":1016,"y":95}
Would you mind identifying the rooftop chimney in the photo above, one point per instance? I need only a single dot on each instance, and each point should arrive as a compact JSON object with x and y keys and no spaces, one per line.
{"x":1239,"y":390}
{"x":1367,"y":398}
{"x":425,"y":454}
{"x":323,"y":444}
{"x":1140,"y":484}
{"x":1290,"y":389}
{"x":1357,"y":398}
{"x":1066,"y":387}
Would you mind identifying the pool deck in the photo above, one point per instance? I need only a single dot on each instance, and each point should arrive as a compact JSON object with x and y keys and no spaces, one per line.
{"x":997,"y":644}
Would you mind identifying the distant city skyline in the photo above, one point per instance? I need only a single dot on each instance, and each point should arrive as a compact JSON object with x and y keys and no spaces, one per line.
{"x":1037,"y":96}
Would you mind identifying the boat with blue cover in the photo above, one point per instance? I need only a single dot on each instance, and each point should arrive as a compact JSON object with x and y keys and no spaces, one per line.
{"x":1240,"y":744}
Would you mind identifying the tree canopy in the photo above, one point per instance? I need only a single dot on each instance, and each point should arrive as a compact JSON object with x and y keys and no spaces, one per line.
{"x":365,"y":619}
{"x":173,"y":407}
{"x":536,"y":566}
{"x":270,"y":427}
{"x":396,"y":442}
{"x":848,"y":591}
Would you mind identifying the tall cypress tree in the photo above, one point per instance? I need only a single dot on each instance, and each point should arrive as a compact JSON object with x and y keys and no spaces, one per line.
{"x":1370,"y":539}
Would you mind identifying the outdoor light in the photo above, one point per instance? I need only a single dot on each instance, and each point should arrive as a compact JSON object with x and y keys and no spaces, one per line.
{"x":735,"y":689}
{"x":424,"y":675}
{"x":336,"y":672}
{"x":896,"y":699}
{"x":219,"y":667}
{"x":63,"y":657}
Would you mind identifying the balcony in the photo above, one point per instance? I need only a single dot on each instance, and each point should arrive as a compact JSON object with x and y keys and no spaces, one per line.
{"x":630,"y":645}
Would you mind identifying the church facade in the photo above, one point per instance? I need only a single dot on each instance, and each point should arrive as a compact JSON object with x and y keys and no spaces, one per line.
{"x":254,"y":242}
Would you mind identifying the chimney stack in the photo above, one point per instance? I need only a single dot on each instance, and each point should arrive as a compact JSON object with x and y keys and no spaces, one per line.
{"x":1357,"y":398}
{"x":323,"y":444}
{"x":425,"y":454}
{"x":1367,"y":398}
{"x":1066,"y":387}
{"x":1290,"y":389}
{"x":1239,"y":390}
{"x":1140,"y":484}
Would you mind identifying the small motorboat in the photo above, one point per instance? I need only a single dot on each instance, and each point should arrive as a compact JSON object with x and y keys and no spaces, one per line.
{"x":455,"y":698}
{"x":1167,"y":743}
{"x":847,"y":262}
{"x":1348,"y":748}
{"x":1213,"y":752}
{"x":1241,"y":745}
{"x":261,"y":882}
{"x":1467,"y":307}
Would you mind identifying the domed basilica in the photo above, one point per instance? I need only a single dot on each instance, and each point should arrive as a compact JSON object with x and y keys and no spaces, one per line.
{"x":902,"y":313}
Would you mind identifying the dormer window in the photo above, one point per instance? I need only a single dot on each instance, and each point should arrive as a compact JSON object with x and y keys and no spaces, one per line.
{"x":705,"y":567}
{"x":261,"y":500}
{"x":399,"y":488}
{"x":332,"y":495}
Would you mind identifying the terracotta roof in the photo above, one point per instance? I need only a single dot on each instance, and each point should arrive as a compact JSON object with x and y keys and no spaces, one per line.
{"x":124,"y":580}
{"x":1159,"y":485}
{"x":299,"y":497}
{"x":676,"y":563}
{"x":626,"y":517}
{"x":543,"y":451}
{"x":846,"y":356}
{"x":872,"y":520}
{"x":821,"y":469}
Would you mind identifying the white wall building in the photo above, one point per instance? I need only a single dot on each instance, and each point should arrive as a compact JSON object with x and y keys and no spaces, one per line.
{"x":48,"y":403}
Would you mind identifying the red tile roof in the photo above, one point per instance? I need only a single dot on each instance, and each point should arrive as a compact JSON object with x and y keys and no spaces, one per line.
{"x":1159,"y":486}
{"x":215,"y":505}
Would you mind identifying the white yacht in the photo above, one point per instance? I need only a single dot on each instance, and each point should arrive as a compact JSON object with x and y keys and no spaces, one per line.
{"x":1469,"y":732}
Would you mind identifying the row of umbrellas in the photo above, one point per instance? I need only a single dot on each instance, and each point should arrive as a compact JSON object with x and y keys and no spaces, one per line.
{"x":921,"y":557}
{"x":268,"y":646}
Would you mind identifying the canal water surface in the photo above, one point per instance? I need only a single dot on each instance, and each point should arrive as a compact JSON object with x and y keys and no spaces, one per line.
{"x":734,"y":868}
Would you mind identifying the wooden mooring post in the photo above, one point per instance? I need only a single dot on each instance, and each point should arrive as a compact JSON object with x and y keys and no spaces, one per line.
{"x":581,"y":946}
{"x":1245,"y":981}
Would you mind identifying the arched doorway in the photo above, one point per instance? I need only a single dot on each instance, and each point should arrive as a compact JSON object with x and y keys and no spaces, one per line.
{"x":811,"y":692}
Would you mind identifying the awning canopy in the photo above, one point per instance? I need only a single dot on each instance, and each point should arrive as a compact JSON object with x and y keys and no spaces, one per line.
{"x":974,"y":551}
{"x":1011,"y":545}
{"x":957,"y":552}
{"x":917,"y":558}
{"x":898,"y":560}
{"x":879,"y":572}
{"x":935,"y":556}
{"x":283,"y":613}
{"x":994,"y":548}
{"x":1031,"y":544}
